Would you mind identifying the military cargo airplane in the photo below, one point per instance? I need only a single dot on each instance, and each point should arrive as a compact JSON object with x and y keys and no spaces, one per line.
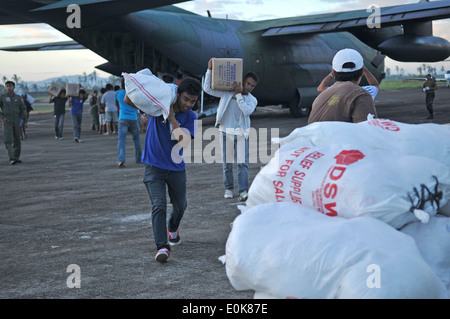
{"x":291,"y":55}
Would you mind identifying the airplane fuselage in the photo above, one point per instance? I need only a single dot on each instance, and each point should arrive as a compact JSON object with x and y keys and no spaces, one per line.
{"x":284,"y":65}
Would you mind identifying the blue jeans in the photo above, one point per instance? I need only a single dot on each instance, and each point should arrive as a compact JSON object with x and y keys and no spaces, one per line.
{"x":131,"y":126}
{"x":156,"y":180}
{"x":235,"y":151}
{"x":76,"y":120}
{"x":59,"y":124}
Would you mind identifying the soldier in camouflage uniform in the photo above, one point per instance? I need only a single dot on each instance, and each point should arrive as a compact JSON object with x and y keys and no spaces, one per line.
{"x":11,"y":110}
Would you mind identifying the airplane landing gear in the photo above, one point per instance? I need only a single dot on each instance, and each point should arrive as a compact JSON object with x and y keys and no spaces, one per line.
{"x":297,"y":109}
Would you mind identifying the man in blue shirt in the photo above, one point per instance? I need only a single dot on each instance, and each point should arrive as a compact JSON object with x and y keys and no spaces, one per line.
{"x":76,"y":111}
{"x":128,"y":122}
{"x":165,"y":166}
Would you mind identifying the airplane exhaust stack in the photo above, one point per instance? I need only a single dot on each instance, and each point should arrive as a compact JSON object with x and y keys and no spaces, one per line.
{"x":416,"y":48}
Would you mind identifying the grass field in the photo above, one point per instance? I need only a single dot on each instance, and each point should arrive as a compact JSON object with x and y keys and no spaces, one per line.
{"x":395,"y":84}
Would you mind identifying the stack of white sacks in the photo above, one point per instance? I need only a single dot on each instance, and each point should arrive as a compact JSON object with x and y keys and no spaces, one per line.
{"x":348,"y":210}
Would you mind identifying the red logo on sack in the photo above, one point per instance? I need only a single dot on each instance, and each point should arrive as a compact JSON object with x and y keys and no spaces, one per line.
{"x":385,"y":124}
{"x":331,"y":188}
{"x":348,"y":157}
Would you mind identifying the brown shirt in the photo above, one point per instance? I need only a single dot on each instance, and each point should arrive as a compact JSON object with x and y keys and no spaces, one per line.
{"x":431,"y":84}
{"x":343,"y":101}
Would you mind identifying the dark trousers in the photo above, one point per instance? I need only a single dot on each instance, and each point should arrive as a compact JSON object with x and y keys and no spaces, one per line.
{"x":11,"y":137}
{"x":59,"y":124}
{"x":156,"y":180}
{"x":429,"y":102}
{"x":95,"y":118}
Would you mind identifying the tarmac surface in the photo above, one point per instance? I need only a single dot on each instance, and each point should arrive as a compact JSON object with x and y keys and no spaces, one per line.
{"x":68,"y":206}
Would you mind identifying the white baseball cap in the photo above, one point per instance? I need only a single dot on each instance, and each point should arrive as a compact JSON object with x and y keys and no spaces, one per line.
{"x":345,"y":56}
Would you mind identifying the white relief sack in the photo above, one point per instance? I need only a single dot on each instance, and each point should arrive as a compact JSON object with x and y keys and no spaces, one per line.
{"x":433,"y":241}
{"x":352,"y":180}
{"x":284,"y":250}
{"x":149,"y":93}
{"x":428,"y":140}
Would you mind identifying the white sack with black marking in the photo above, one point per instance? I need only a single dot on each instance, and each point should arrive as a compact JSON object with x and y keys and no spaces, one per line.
{"x":354,"y":180}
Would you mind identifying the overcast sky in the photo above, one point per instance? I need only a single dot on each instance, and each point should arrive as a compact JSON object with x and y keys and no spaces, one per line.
{"x":34,"y":66}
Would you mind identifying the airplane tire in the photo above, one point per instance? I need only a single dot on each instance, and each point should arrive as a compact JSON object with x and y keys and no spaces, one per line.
{"x":297,"y":110}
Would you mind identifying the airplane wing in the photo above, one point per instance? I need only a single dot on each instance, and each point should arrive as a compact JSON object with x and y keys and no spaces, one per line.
{"x":6,"y":19}
{"x":352,"y":20}
{"x":33,"y":11}
{"x":110,"y":7}
{"x":404,"y":32}
{"x":62,"y":45}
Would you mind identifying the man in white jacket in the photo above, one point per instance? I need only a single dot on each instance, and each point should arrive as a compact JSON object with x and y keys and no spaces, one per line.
{"x":233,"y":118}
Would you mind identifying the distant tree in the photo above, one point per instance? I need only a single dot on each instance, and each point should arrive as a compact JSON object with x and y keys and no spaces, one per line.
{"x":388,"y":72}
{"x":114,"y":79}
{"x":431,"y":69}
{"x":85,"y":78}
{"x":61,"y":82}
{"x":93,"y":77}
{"x":420,"y":70}
{"x":24,"y":86}
{"x":397,"y":69}
{"x":442,"y":70}
{"x":16,"y":79}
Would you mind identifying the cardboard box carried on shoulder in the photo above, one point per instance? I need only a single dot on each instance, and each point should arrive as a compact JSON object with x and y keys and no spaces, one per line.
{"x":226,"y":71}
{"x":54,"y":89}
{"x":72,"y":89}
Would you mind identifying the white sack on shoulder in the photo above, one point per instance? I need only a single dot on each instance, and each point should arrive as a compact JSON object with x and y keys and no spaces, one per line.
{"x":351,"y":181}
{"x":288,"y":251}
{"x":433,"y":241}
{"x":149,"y":93}
{"x":428,"y":140}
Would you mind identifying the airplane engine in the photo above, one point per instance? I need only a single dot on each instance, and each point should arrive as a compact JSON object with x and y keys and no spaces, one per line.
{"x":413,"y":48}
{"x":416,"y":44}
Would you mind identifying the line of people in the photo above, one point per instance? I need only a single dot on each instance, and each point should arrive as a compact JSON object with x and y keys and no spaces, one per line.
{"x":104,"y":111}
{"x":110,"y":115}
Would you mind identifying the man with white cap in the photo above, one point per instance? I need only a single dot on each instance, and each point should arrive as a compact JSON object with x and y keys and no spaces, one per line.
{"x":345,"y":100}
